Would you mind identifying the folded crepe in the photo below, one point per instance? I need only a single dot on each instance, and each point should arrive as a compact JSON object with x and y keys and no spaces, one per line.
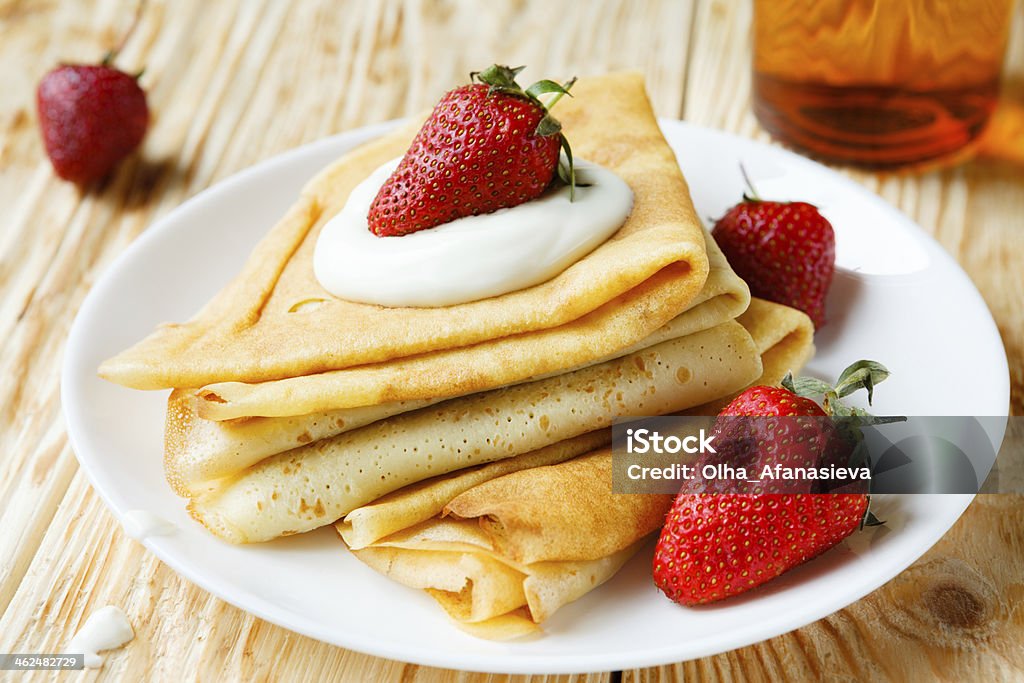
{"x":517,"y":547}
{"x":199,"y":451}
{"x":597,"y":336}
{"x":274,"y":321}
{"x":485,"y":593}
{"x":529,"y":534}
{"x":782,"y":335}
{"x":419,"y":502}
{"x":320,"y":482}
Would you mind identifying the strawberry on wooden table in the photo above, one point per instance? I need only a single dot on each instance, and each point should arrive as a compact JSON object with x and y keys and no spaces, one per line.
{"x":785,"y":251}
{"x":486,"y":146}
{"x":716,"y":545}
{"x":92,"y":117}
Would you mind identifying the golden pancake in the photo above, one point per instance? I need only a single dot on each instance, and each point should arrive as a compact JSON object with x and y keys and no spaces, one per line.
{"x":316,"y":484}
{"x":522,"y":522}
{"x":454,"y":372}
{"x":784,"y":337}
{"x":198,"y":450}
{"x":526,"y":524}
{"x":275,"y":321}
{"x":418,"y":503}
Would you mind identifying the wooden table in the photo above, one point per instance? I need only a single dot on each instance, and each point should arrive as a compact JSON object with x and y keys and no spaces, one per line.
{"x":236,"y":81}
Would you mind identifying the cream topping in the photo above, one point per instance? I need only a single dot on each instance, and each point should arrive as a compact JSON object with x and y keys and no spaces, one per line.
{"x":469,"y":258}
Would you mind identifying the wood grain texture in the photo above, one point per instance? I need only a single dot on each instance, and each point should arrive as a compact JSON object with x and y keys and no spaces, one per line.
{"x":236,"y":81}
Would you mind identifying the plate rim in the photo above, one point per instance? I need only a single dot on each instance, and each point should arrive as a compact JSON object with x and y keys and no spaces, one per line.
{"x":511,"y":662}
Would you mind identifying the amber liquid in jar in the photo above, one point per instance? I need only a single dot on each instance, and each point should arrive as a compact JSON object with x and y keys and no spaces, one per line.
{"x":879,"y":83}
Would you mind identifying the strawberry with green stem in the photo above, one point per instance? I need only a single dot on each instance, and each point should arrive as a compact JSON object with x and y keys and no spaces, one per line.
{"x":716,"y":545}
{"x":785,"y":251}
{"x":486,"y":146}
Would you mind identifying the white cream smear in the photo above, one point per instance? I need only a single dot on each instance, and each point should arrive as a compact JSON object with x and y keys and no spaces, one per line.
{"x":469,"y":258}
{"x":105,"y":629}
{"x":140,"y":524}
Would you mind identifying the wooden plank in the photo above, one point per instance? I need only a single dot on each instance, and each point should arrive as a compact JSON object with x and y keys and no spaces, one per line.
{"x":51,"y":270}
{"x":231,"y":83}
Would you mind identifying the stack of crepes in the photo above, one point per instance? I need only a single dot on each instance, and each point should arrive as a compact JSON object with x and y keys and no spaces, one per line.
{"x":293,"y":409}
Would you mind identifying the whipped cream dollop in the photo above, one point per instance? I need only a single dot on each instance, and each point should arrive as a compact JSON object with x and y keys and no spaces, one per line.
{"x":469,"y":258}
{"x":106,"y":629}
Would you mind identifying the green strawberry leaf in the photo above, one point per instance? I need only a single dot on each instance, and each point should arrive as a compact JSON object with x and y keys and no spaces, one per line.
{"x":548,"y":126}
{"x":864,"y":374}
{"x":546,"y":86}
{"x":833,"y":406}
{"x":566,"y":171}
{"x":805,"y":386}
{"x":498,"y":76}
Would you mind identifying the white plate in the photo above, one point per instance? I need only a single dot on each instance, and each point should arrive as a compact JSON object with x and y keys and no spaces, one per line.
{"x":900,"y":299}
